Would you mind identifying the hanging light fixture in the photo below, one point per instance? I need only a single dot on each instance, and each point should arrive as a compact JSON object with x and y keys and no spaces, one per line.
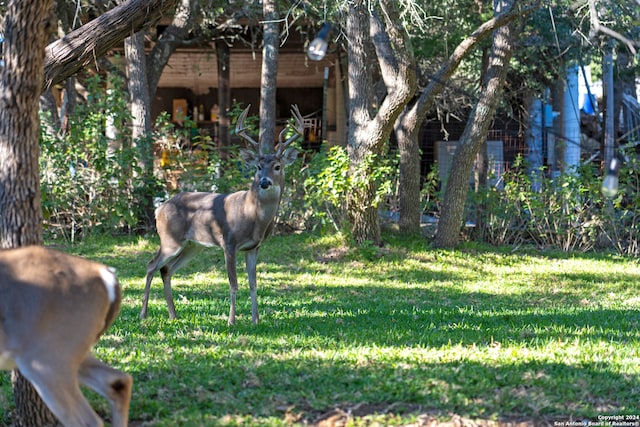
{"x":318,"y":47}
{"x":610,"y":181}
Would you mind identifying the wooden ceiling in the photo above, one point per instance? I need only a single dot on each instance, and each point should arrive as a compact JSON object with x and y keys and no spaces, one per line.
{"x":198,"y":71}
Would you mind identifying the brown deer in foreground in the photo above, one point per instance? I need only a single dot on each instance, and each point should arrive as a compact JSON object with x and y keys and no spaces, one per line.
{"x":240,"y":221}
{"x":53,"y":308}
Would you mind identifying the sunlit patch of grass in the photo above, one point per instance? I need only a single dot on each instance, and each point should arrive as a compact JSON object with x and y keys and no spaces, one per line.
{"x":381,"y":333}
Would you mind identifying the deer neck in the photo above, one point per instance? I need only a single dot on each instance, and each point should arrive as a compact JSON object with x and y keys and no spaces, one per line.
{"x":263,"y":204}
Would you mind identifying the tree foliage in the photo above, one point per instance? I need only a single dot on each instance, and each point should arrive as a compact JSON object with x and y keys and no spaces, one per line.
{"x":91,"y":180}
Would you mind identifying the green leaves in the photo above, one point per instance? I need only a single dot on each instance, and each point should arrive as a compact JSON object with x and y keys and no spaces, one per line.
{"x":567,"y":212}
{"x":90,"y":177}
{"x":332,"y":183}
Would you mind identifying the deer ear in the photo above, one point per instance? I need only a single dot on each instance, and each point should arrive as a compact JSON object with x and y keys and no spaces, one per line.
{"x":289,"y":156}
{"x":250,"y":157}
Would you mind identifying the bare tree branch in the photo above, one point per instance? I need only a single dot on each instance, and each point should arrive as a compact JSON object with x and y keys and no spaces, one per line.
{"x":599,"y":28}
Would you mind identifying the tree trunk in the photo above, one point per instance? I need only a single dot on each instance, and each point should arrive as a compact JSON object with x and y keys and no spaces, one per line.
{"x":27,"y":28}
{"x":223,"y":56}
{"x":408,"y":126}
{"x":50,"y":109}
{"x":408,"y":145}
{"x":473,"y":138}
{"x":139,"y":93}
{"x":362,"y":215}
{"x":268,"y":82}
{"x":20,"y":84}
{"x":140,"y":114}
{"x":69,"y":101}
{"x":368,"y":130}
{"x":168,"y":42}
{"x":624,"y":82}
{"x":30,"y":409}
{"x":610,"y":119}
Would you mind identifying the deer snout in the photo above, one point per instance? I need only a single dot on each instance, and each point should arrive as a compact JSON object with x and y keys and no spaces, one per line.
{"x":265,"y":183}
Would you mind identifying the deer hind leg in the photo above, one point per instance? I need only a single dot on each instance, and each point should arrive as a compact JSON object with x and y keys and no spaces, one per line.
{"x":164,"y":256}
{"x":56,"y":381}
{"x":157,"y":262}
{"x":189,"y":250}
{"x":113,"y":385}
{"x":251,"y":260}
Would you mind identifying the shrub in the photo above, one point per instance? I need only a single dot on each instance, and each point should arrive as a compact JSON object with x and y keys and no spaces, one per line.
{"x":567,"y":213}
{"x":90,"y":178}
{"x":330,"y":184}
{"x":620,"y":224}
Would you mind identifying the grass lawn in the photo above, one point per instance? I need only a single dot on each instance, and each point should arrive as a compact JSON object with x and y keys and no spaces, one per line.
{"x":375,"y":336}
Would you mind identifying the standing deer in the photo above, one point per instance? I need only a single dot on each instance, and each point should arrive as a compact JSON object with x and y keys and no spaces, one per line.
{"x":53,"y":308}
{"x":240,"y":221}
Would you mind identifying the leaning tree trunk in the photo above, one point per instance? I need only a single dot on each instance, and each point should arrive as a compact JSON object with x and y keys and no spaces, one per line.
{"x":268,"y":79}
{"x":170,"y":39}
{"x":81,"y":47}
{"x":473,"y":138}
{"x":27,"y":28}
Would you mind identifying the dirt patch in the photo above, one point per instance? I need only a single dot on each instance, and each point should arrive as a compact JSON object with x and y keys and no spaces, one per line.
{"x":340,"y":417}
{"x":332,"y":254}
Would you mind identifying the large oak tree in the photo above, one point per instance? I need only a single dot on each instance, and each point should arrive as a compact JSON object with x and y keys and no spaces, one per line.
{"x":408,"y":124}
{"x":27,"y":29}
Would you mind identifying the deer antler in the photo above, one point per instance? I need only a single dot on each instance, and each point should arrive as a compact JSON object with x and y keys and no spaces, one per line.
{"x":241,"y":129}
{"x":299,"y":129}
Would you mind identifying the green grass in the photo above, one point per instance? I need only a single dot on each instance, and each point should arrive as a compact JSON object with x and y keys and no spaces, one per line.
{"x":485,"y":333}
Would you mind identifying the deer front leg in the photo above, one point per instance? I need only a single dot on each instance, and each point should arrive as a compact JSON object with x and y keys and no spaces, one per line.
{"x":182,"y":257}
{"x":251,"y":259}
{"x":112,"y":384}
{"x":56,"y":381}
{"x":230,"y":262}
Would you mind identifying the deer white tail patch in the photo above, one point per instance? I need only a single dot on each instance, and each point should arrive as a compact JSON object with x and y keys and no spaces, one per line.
{"x":108,"y":275}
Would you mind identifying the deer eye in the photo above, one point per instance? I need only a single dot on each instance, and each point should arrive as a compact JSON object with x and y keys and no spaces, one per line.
{"x":277,"y":167}
{"x":259,"y":167}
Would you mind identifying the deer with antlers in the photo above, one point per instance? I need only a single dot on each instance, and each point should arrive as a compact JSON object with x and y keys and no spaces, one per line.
{"x":240,"y":221}
{"x":53,"y":308}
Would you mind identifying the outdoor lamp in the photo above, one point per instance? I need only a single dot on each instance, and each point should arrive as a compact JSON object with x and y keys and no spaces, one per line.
{"x":610,"y":182}
{"x":318,"y":47}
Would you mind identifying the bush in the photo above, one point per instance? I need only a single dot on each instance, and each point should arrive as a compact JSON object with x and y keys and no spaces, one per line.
{"x":567,"y":213}
{"x":90,"y":179}
{"x":330,"y":184}
{"x":620,"y":224}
